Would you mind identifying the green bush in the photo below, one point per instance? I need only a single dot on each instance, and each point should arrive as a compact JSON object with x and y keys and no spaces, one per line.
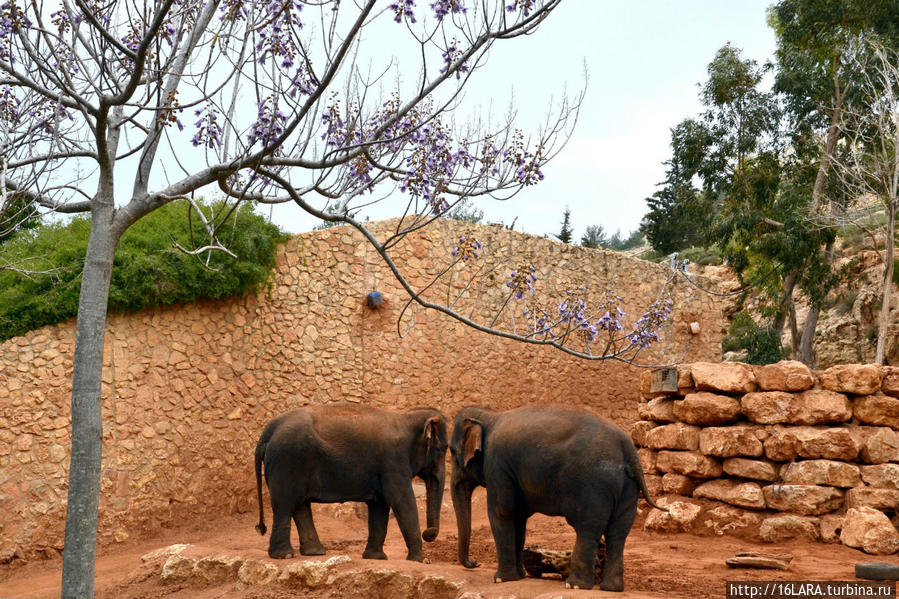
{"x":762,"y":344}
{"x":148,"y":271}
{"x":702,"y":256}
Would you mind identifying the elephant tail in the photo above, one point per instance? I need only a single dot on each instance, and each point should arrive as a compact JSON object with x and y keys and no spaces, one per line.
{"x":260,"y":456}
{"x":635,"y":469}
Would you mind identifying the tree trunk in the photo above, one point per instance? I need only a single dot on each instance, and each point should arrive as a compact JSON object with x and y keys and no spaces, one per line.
{"x":785,"y":305}
{"x":87,"y":426}
{"x":806,"y":343}
{"x":883,"y":327}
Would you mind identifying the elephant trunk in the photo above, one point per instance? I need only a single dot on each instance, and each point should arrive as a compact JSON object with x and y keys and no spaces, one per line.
{"x":434,"y":487}
{"x":462,"y":505}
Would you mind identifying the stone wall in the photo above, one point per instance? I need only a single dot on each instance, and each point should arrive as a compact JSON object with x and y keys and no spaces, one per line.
{"x":775,"y":452}
{"x":187,"y":389}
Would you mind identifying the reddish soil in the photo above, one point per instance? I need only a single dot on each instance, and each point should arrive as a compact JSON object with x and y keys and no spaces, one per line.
{"x":656,"y":565}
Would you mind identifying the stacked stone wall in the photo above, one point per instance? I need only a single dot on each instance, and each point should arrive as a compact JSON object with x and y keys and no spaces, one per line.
{"x":187,"y":389}
{"x":775,"y":452}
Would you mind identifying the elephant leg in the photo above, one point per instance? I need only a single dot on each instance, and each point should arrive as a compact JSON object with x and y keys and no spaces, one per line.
{"x":583,"y":559}
{"x":616,"y":535}
{"x":309,"y":542}
{"x":521,"y":521}
{"x":378,"y":513}
{"x":406,"y":512}
{"x":279,"y":546}
{"x":503,"y":524}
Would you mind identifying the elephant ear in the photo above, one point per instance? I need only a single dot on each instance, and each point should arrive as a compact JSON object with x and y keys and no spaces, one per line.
{"x":432,"y":431}
{"x":472,"y":440}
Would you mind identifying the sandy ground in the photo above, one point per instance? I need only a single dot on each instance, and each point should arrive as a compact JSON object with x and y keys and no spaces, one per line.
{"x":656,"y":565}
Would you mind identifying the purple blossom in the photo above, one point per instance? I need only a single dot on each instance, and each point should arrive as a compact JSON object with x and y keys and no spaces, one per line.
{"x":209,"y":133}
{"x":521,"y":280}
{"x":525,"y":6}
{"x":269,"y":124}
{"x":645,"y":329}
{"x":403,"y":9}
{"x":467,"y":250}
{"x":442,"y":8}
{"x":450,"y":55}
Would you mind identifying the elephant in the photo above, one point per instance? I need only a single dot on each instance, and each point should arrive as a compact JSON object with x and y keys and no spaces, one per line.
{"x":554,"y":461}
{"x":328,"y":454}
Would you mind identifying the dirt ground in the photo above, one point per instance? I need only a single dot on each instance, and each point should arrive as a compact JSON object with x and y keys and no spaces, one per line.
{"x":656,"y":565}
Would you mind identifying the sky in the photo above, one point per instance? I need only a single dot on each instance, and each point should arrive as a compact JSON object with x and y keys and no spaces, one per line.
{"x":645,"y":61}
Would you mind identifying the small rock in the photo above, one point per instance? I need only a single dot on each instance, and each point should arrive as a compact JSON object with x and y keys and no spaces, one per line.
{"x":869,"y":530}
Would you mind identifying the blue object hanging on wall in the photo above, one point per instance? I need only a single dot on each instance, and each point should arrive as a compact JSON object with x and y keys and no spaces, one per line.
{"x":374,"y":299}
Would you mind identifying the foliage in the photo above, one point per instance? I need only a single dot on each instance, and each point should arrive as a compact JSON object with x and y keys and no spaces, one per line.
{"x":466,"y":212}
{"x":17,"y":213}
{"x":594,"y":237}
{"x":566,"y":232}
{"x":761,"y":343}
{"x":148,"y":271}
{"x":703,"y":256}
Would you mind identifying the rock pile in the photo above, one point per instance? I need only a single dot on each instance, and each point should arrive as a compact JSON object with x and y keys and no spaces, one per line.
{"x":775,"y":452}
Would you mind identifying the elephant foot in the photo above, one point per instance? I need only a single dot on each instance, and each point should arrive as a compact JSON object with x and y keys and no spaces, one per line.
{"x":615,"y":584}
{"x":416,"y":556}
{"x":373,"y":554}
{"x":312,"y":549}
{"x":576,"y":582}
{"x":282,"y":553}
{"x":429,"y":534}
{"x":501,"y":576}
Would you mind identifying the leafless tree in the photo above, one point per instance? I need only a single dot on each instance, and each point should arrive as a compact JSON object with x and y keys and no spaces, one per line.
{"x":867,"y":164}
{"x":113,"y":108}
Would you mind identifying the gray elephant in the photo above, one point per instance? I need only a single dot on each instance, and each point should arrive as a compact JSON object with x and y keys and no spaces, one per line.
{"x":554,"y":461}
{"x":320,"y":454}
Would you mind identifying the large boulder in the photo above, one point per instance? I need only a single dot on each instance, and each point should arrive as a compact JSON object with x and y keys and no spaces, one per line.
{"x":680,"y":516}
{"x":739,"y":494}
{"x":729,"y":441}
{"x":785,"y":444}
{"x":821,"y":472}
{"x":688,"y":463}
{"x":890,"y":384}
{"x":869,"y":530}
{"x":878,"y":410}
{"x":816,"y":406}
{"x":755,"y":469}
{"x":858,"y":379}
{"x":878,"y":444}
{"x":879,"y":499}
{"x":705,"y":409}
{"x":723,"y":377}
{"x":659,"y":409}
{"x":787,"y":375}
{"x":782,"y":527}
{"x":807,"y":500}
{"x":639,"y":430}
{"x":676,"y":435}
{"x":884,"y":476}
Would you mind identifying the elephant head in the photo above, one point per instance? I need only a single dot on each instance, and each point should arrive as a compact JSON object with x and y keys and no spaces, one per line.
{"x":431,"y":468}
{"x":467,"y":448}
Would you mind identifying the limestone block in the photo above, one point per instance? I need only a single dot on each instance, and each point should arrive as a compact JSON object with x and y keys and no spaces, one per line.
{"x":869,"y":530}
{"x":729,"y":441}
{"x":807,"y":500}
{"x":884,"y":476}
{"x":707,"y":409}
{"x":726,"y":519}
{"x":878,"y":444}
{"x":654,"y":484}
{"x":678,"y":484}
{"x":312,"y":574}
{"x":785,"y":444}
{"x":739,"y":494}
{"x":659,"y":409}
{"x":177,"y":568}
{"x":647,"y":460}
{"x":831,"y":527}
{"x":756,"y":469}
{"x":782,"y":527}
{"x":680,"y":516}
{"x":688,"y":463}
{"x":879,"y":410}
{"x":639,"y":430}
{"x":218,"y":569}
{"x":786,"y":375}
{"x":816,"y":406}
{"x":821,"y":472}
{"x":859,"y":379}
{"x":880,"y":499}
{"x":673,"y":436}
{"x":890,"y":384}
{"x":724,"y":377}
{"x":257,"y":572}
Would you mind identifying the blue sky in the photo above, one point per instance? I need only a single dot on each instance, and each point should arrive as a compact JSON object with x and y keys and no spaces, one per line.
{"x":645,"y":60}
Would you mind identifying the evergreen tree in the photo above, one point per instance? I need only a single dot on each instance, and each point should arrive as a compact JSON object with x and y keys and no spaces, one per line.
{"x":565,"y":234}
